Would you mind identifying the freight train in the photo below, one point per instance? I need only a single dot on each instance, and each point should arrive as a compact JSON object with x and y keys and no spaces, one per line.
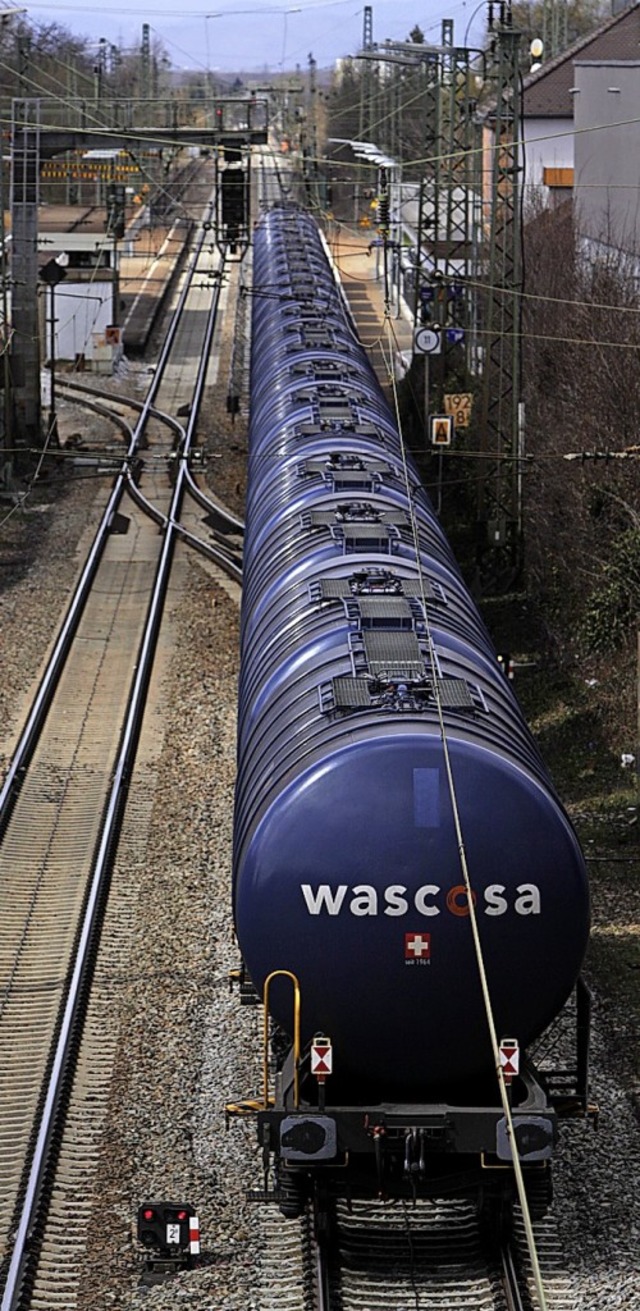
{"x":386,"y":779}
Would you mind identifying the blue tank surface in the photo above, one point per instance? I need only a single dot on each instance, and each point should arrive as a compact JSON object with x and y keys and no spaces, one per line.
{"x":363,"y":658}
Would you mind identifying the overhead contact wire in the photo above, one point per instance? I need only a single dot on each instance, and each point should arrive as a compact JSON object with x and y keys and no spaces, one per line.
{"x":462,"y":854}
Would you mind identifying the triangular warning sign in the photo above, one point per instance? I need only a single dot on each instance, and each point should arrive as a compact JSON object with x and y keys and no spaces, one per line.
{"x":441,"y":426}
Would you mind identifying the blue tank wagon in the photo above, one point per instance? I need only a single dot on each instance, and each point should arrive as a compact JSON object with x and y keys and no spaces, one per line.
{"x":361,"y":646}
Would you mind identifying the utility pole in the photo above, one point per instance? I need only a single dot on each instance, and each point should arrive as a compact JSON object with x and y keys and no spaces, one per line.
{"x":53,"y":272}
{"x":449,"y":204}
{"x":145,"y":65}
{"x":452,"y":196}
{"x":457,"y":205}
{"x":71,"y":189}
{"x":98,"y":73}
{"x":311,"y":169}
{"x":367,"y":73}
{"x":6,"y":435}
{"x":499,"y":482}
{"x":24,"y":60}
{"x":25,"y":354}
{"x":555,"y":35}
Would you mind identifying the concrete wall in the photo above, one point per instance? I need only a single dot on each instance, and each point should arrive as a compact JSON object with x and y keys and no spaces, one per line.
{"x":81,"y":310}
{"x":548,"y":144}
{"x":607,"y":152}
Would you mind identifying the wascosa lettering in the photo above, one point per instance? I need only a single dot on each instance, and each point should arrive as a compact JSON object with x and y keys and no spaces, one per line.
{"x":428,"y":900}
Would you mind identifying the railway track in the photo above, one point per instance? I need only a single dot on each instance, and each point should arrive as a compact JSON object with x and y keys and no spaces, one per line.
{"x":71,"y":794}
{"x":172,"y":193}
{"x":223,"y":542}
{"x":427,"y":1257}
{"x":275,"y":184}
{"x":559,"y":1287}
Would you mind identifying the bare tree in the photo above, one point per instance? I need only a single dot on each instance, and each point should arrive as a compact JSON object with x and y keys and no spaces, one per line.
{"x":581,"y":356}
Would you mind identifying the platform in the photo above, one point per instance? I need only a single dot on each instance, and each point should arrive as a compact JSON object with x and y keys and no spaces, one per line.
{"x":385,"y":327}
{"x":147,"y":259}
{"x":145,"y":279}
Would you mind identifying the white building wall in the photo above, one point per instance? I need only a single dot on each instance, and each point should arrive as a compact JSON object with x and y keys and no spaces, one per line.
{"x":81,"y":309}
{"x":549,"y":143}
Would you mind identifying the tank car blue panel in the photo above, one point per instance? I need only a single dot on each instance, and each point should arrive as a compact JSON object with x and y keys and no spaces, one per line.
{"x":357,"y":651}
{"x":351,"y":880}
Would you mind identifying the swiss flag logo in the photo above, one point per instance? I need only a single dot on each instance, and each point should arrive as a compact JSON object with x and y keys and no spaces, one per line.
{"x":417,"y":946}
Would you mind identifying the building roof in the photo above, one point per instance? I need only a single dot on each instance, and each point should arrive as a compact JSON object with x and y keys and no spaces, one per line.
{"x":546,"y":93}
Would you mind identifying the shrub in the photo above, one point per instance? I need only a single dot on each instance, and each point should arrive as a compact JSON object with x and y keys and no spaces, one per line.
{"x":614,"y":604}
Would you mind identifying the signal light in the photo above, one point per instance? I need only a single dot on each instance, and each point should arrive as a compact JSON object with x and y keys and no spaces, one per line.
{"x":505,"y":660}
{"x":116,"y":213}
{"x":165,"y":1227}
{"x":170,"y":1233}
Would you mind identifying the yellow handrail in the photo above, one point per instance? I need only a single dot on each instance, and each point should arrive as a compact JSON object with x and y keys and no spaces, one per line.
{"x":286,"y":974}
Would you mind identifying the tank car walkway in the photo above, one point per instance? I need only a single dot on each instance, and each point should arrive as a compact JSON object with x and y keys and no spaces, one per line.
{"x":360,"y":268}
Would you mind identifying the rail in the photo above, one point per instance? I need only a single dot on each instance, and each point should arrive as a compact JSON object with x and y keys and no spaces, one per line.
{"x":47,"y":1132}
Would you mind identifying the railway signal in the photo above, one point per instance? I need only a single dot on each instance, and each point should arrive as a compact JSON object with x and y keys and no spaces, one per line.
{"x":52,"y":273}
{"x":233,"y":200}
{"x":170,"y":1233}
{"x":116,"y":213}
